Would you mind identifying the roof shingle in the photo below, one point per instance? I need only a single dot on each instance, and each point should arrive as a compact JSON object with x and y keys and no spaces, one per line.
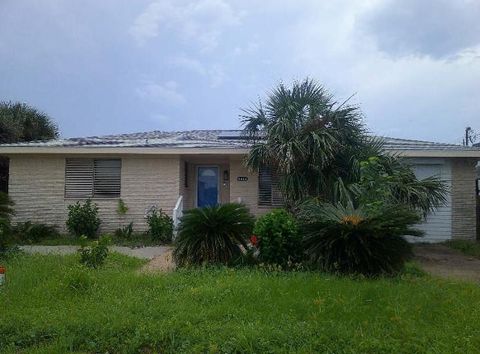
{"x":205,"y":139}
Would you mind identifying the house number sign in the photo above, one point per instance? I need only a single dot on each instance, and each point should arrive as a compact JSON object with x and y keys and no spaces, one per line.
{"x":242,"y":179}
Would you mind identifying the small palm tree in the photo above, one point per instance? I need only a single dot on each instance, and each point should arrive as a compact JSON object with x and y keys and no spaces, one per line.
{"x":361,"y":240}
{"x":212,"y":235}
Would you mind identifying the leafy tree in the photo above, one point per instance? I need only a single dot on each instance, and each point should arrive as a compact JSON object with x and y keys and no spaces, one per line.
{"x":21,"y":123}
{"x":317,"y":146}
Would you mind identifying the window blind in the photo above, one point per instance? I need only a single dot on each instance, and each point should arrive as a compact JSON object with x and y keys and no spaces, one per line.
{"x":268,"y":188}
{"x":87,"y":178}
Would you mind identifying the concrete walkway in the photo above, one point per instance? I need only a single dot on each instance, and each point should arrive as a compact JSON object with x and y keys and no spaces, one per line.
{"x":142,"y":252}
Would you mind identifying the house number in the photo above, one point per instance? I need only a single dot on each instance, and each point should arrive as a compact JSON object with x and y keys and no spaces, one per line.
{"x":242,"y":179}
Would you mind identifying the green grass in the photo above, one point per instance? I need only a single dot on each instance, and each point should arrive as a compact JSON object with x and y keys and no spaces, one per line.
{"x":470,"y":248}
{"x":50,"y":305}
{"x":137,"y":240}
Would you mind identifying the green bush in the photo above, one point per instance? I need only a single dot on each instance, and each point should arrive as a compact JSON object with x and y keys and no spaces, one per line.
{"x":160,"y":226}
{"x":212,"y":235}
{"x":83,"y":219}
{"x":33,"y":232}
{"x":6,"y":211}
{"x":94,"y":256}
{"x":358,"y":241}
{"x":279,"y":241}
{"x":125,"y":232}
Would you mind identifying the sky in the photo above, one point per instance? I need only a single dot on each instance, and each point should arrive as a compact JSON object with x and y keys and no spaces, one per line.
{"x":119,"y":66}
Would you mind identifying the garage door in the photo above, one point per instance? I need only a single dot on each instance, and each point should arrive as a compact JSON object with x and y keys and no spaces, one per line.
{"x":437,"y":225}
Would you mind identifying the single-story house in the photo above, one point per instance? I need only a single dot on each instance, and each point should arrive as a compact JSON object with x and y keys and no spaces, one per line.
{"x":175,"y":171}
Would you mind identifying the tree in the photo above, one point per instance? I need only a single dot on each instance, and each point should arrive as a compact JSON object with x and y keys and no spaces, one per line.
{"x":317,"y":145}
{"x":20,"y":123}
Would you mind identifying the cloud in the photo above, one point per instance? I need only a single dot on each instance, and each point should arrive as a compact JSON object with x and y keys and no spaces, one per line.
{"x":435,"y":28}
{"x":189,"y":64}
{"x":201,"y":21}
{"x":165,"y":92}
{"x":214,"y":73}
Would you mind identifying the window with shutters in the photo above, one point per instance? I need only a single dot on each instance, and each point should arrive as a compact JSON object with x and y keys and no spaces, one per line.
{"x":92,"y":178}
{"x":268,"y":188}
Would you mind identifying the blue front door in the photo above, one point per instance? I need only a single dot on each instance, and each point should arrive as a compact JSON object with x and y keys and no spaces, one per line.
{"x":207,"y":186}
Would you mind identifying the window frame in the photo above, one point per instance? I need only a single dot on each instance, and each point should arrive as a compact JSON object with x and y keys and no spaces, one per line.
{"x":92,"y":189}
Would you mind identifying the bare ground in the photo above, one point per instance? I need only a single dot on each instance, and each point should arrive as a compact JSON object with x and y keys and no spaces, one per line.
{"x":160,"y":264}
{"x":442,"y":261}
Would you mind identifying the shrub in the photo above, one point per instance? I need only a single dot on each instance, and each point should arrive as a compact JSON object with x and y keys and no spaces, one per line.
{"x":121,"y":207}
{"x":348,"y":240}
{"x":6,"y":211}
{"x":94,"y":256}
{"x":125,"y":232}
{"x":279,"y":241}
{"x":212,"y":235}
{"x":83,"y":219}
{"x":33,"y":232}
{"x":160,"y":226}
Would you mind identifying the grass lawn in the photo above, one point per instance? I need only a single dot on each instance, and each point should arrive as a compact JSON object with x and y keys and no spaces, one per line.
{"x":470,"y":248}
{"x":49,"y":305}
{"x":136,"y":240}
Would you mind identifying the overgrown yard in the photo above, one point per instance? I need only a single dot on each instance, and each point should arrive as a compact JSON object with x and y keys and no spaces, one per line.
{"x":51,"y":305}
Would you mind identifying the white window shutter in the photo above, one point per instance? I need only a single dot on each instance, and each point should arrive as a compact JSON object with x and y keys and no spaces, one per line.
{"x":78,"y":178}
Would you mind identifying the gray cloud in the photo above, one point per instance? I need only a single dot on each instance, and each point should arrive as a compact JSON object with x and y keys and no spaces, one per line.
{"x":115,"y":66}
{"x":439,"y":28}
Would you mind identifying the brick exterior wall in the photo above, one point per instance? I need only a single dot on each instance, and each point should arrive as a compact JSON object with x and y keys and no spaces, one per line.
{"x":464,"y":203}
{"x":37,"y":187}
{"x":245,"y":191}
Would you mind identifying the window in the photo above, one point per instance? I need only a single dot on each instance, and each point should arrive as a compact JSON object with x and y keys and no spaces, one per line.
{"x":268,"y":189}
{"x":97,"y":178}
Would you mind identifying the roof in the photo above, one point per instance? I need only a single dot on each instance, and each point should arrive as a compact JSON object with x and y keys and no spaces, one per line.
{"x":154,"y":139}
{"x":205,"y":140}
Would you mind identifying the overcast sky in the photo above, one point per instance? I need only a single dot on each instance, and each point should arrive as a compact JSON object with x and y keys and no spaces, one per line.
{"x":113,"y":66}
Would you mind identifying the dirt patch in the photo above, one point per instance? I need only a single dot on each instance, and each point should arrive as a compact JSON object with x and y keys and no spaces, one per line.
{"x":442,"y":261}
{"x":160,"y":264}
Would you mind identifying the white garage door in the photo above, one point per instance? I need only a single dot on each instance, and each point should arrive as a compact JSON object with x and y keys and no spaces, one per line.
{"x":438,"y":225}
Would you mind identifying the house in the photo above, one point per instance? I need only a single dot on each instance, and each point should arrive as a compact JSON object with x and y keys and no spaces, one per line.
{"x":181,"y":170}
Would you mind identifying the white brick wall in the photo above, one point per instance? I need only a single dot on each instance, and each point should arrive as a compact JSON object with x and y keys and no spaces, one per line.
{"x":245,"y":191}
{"x":37,"y":187}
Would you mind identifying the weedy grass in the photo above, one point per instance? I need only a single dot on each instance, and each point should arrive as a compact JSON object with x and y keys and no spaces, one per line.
{"x":470,"y":248}
{"x":51,"y":304}
{"x":136,"y":240}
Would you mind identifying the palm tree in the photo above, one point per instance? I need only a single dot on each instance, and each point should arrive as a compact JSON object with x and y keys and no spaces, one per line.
{"x":19,"y":123}
{"x":316,"y":146}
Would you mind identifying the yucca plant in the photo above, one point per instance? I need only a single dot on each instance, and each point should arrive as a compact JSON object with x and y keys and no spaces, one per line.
{"x":212,"y":235}
{"x":348,"y":240}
